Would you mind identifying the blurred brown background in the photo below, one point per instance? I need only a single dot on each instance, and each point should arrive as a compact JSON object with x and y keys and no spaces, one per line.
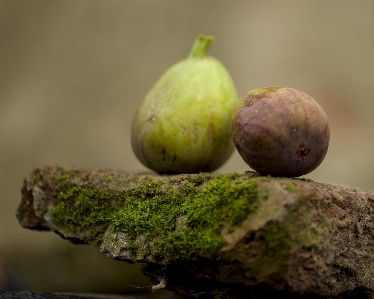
{"x":73,"y":72}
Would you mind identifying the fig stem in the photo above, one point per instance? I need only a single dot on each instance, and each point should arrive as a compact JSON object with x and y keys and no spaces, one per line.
{"x":201,"y":46}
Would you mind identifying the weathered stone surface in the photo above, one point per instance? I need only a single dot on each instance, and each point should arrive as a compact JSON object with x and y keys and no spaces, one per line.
{"x":215,"y":235}
{"x":32,"y":295}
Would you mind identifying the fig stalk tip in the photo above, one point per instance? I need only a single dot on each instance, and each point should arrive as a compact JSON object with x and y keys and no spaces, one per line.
{"x":201,"y":46}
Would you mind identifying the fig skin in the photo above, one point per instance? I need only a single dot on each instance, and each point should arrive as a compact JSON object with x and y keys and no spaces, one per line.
{"x":280,"y":131}
{"x":183,"y":124}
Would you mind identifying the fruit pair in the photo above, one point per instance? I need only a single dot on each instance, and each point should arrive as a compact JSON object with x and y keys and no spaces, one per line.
{"x":183,"y":124}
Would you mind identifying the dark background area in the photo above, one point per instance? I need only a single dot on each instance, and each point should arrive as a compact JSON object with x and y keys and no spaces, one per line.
{"x":73,"y":72}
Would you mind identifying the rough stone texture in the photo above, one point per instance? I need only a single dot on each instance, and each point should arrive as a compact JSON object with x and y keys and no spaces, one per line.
{"x":303,"y":239}
{"x":32,"y":295}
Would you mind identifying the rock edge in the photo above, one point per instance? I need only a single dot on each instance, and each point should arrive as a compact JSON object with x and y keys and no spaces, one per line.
{"x":299,"y":238}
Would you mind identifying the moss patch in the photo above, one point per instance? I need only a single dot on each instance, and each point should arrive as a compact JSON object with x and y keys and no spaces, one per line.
{"x":264,"y":178}
{"x":20,"y":212}
{"x":225,"y":201}
{"x":274,"y":244}
{"x":208,"y":204}
{"x":276,"y":238}
{"x":81,"y":208}
{"x":290,"y":187}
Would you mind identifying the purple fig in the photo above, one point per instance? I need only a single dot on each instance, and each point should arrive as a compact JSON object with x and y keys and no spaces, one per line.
{"x":280,"y":131}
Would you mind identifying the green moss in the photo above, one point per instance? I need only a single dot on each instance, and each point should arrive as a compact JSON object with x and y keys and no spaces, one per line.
{"x":62,"y":177}
{"x":312,"y":235}
{"x":200,"y":179}
{"x":264,"y":193}
{"x":146,"y":252}
{"x":277,"y":241}
{"x":80,"y":208}
{"x":290,"y":187}
{"x":304,"y":227}
{"x":225,"y":200}
{"x":152,"y":210}
{"x":132,"y":248}
{"x":276,"y":238}
{"x":295,"y":233}
{"x":275,"y":244}
{"x":264,"y":178}
{"x":44,"y":210}
{"x":20,"y":212}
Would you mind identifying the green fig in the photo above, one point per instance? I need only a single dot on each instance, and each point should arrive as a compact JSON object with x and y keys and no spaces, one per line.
{"x":183,"y":124}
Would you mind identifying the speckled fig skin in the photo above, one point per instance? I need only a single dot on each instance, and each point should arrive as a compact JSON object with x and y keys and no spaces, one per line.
{"x":183,"y":124}
{"x":280,"y":131}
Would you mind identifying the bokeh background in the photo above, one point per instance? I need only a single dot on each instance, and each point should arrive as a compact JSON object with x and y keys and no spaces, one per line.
{"x":73,"y":72}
